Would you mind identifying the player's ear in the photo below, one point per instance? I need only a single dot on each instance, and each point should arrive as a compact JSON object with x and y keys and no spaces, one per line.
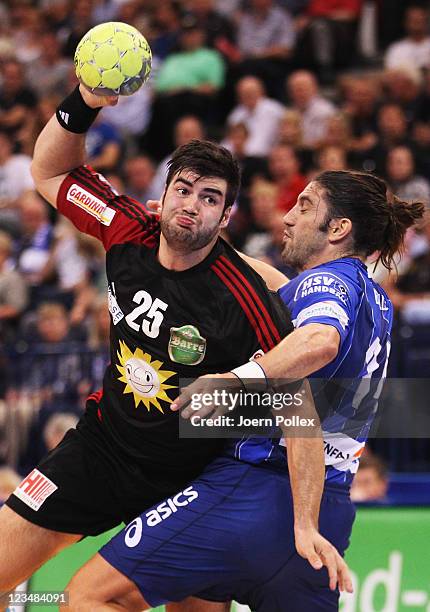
{"x":225,"y":217}
{"x":339,"y":229}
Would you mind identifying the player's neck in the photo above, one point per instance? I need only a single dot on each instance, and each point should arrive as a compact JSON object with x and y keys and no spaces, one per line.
{"x":176,"y":259}
{"x":323,"y":258}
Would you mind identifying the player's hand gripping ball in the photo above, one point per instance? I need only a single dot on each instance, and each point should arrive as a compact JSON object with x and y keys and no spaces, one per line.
{"x":113,"y":59}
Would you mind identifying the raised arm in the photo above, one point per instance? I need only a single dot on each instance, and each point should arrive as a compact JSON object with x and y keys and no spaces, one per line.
{"x":59,"y":150}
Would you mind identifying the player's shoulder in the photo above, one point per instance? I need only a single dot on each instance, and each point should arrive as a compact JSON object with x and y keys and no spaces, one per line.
{"x":341,"y":278}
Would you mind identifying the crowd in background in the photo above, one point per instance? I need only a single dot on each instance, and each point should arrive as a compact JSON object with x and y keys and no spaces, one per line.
{"x":291,"y":87}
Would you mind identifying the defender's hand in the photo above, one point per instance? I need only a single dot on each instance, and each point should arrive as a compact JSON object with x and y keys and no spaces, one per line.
{"x":94,"y":101}
{"x":205,"y":385}
{"x":311,"y":545}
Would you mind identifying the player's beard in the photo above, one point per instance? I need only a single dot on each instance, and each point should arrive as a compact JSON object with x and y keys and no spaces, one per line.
{"x":186,"y":239}
{"x":298,"y":251}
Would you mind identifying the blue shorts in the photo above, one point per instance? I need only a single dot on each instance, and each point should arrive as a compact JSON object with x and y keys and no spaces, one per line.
{"x":229,"y":535}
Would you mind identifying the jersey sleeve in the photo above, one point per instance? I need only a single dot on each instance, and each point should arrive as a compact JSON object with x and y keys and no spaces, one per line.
{"x":93,"y":206}
{"x":323,"y":297}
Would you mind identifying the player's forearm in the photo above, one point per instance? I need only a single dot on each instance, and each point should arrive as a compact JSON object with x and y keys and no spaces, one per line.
{"x":56,"y":152}
{"x":306,"y":470}
{"x":303,"y":352}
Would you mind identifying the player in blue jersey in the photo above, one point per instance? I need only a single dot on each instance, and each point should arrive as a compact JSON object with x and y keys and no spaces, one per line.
{"x":233,"y":533}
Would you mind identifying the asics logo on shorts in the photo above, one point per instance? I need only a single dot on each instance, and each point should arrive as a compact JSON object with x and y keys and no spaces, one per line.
{"x":171,"y":505}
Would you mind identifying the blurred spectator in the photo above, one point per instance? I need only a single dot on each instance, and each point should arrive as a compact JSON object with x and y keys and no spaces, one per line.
{"x":361,"y":106}
{"x":329,"y":157}
{"x":186,"y":129}
{"x":194,"y":68}
{"x":12,"y":166}
{"x":34,"y":246}
{"x":338,"y":131}
{"x":370,"y":484}
{"x":284,"y":169}
{"x":17,"y":101}
{"x":403,"y":87}
{"x":266,"y":38}
{"x":139,"y":173}
{"x":27,"y":27}
{"x":414,"y":49}
{"x":103,"y":10}
{"x":219,"y":29}
{"x":165,"y":28}
{"x":263,"y":197}
{"x":410,"y":292}
{"x":291,"y":133}
{"x":78,"y":25}
{"x":98,"y":340}
{"x":103,"y":145}
{"x":132,"y":114}
{"x":392,"y":131}
{"x":260,"y":114}
{"x":313,"y":108}
{"x":56,"y":427}
{"x":330,"y":28}
{"x":402,"y":178}
{"x":49,"y":74}
{"x":68,"y":267}
{"x":13,"y":291}
{"x":236,"y":142}
{"x":187,"y":83}
{"x":9,"y":480}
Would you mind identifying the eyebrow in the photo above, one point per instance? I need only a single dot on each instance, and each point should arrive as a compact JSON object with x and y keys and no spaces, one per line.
{"x":190,"y":184}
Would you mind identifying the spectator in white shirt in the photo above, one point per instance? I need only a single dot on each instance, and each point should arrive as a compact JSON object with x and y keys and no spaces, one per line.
{"x":260,"y":114}
{"x":314,"y":109}
{"x":414,"y":49}
{"x":15,"y":179}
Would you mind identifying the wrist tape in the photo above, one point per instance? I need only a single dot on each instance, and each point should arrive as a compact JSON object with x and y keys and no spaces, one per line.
{"x":74,"y":115}
{"x":253,"y":372}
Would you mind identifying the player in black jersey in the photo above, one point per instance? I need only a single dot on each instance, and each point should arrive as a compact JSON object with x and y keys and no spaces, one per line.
{"x":182,"y":303}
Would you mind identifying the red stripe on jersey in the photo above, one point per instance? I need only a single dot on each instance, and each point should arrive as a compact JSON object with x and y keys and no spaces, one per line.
{"x":254,"y":295}
{"x":96,"y":396}
{"x":240,"y":298}
{"x":240,"y":286}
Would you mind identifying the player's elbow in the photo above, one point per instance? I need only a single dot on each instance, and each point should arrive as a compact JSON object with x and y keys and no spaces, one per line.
{"x":325,"y":341}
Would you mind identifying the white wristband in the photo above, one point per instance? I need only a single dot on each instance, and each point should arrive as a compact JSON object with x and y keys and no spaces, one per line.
{"x":252,"y":371}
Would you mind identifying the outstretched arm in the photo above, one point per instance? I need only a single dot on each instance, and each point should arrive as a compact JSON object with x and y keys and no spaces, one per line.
{"x":58,"y":151}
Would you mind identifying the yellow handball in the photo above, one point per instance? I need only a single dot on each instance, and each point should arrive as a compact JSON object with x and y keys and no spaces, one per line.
{"x":113,"y":59}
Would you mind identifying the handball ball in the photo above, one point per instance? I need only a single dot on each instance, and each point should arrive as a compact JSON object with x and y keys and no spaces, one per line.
{"x":113,"y":59}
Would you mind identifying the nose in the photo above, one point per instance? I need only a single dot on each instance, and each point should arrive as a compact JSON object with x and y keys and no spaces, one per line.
{"x":191,"y":205}
{"x":290,"y":217}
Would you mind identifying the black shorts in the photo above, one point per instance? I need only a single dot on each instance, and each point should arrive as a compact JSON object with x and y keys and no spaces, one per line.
{"x":98,"y":484}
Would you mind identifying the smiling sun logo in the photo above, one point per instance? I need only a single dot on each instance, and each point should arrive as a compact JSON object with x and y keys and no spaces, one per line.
{"x":143,"y":377}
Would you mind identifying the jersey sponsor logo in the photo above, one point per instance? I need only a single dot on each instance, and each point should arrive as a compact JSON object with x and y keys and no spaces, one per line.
{"x":35,"y":489}
{"x":143,"y":377}
{"x":186,"y":345}
{"x":133,"y":533}
{"x":342,"y":452}
{"x":115,"y":311}
{"x":322,"y":310}
{"x":322,"y":283}
{"x":92,"y":205}
{"x":170,"y":506}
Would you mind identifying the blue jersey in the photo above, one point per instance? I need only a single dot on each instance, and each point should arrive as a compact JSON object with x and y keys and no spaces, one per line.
{"x":338,"y":293}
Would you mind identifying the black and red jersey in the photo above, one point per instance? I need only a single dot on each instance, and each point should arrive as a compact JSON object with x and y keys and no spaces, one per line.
{"x":166,"y":325}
